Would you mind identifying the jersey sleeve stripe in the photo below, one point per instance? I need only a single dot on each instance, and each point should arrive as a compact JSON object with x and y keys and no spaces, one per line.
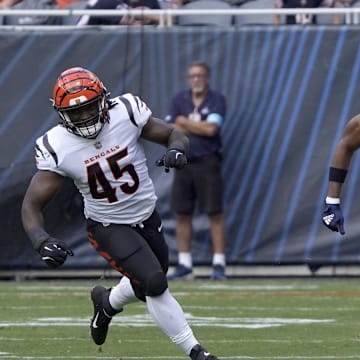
{"x":137,"y":102}
{"x":38,"y":150}
{"x":127,"y":104}
{"x":50,"y":149}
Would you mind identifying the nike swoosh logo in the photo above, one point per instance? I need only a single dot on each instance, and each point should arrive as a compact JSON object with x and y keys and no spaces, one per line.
{"x":94,"y":325}
{"x":206,"y":354}
{"x":160,"y":227}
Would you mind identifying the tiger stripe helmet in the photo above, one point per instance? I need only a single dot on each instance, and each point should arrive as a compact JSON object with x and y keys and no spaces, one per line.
{"x":80,"y":99}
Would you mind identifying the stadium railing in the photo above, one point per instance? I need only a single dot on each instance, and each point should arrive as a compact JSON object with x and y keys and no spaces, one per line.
{"x":166,"y":16}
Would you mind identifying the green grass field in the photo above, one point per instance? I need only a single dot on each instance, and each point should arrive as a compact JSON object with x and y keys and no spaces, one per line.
{"x":235,"y":319}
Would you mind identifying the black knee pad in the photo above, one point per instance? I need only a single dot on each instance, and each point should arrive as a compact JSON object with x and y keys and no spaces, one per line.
{"x":156,"y":284}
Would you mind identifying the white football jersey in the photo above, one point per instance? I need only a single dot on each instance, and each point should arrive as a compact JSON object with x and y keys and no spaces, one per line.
{"x":109,"y":171}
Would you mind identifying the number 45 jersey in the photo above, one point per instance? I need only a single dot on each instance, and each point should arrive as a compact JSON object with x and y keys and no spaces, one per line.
{"x":110,"y":171}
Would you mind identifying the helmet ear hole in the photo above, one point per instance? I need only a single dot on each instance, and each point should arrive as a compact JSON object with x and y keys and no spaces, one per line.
{"x":80,"y":98}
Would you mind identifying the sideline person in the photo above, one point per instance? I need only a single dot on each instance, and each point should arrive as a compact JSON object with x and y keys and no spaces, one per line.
{"x":199,"y":112}
{"x":96,"y":144}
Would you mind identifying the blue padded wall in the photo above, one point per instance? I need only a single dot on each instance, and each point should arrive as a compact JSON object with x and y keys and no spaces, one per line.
{"x":290,"y":92}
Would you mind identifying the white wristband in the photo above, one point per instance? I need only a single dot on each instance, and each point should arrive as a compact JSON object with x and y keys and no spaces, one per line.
{"x":332,"y":201}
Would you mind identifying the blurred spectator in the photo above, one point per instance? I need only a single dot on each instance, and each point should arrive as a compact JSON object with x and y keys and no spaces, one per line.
{"x":101,"y":20}
{"x":301,"y":19}
{"x":63,"y":4}
{"x":120,"y":20}
{"x":60,"y":3}
{"x":172,"y":4}
{"x":31,"y":20}
{"x":8,"y":3}
{"x":337,"y":18}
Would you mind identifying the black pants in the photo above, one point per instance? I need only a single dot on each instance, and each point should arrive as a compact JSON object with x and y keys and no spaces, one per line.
{"x":289,"y":4}
{"x":138,"y":252}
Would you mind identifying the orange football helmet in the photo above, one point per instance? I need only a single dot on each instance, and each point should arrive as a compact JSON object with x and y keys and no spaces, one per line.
{"x":80,"y":98}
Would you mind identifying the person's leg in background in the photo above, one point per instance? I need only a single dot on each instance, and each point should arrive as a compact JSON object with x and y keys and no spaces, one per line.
{"x":217,"y":225}
{"x":183,"y":203}
{"x":183,"y":238}
{"x":210,"y":197}
{"x":184,"y":233}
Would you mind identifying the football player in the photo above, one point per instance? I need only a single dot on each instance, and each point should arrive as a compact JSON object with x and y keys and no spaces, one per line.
{"x":96,"y":144}
{"x":332,"y":216}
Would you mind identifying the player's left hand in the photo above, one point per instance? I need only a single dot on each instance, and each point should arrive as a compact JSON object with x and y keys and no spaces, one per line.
{"x":332,"y":218}
{"x":174,"y":159}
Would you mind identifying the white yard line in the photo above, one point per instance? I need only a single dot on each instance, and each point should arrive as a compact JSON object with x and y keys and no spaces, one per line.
{"x":195,"y":321}
{"x":24,"y":357}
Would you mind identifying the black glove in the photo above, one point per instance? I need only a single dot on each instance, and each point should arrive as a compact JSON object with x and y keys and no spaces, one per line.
{"x":174,"y":159}
{"x":333,"y":218}
{"x":54,"y":252}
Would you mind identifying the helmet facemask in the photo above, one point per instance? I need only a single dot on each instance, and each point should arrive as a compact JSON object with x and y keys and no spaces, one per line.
{"x":85,"y":119}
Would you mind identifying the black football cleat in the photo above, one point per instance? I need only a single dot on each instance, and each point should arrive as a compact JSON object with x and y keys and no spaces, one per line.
{"x":103,"y":314}
{"x":199,"y":353}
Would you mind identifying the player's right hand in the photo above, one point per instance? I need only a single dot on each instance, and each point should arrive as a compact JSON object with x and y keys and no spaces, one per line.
{"x":332,"y":218}
{"x":54,"y":252}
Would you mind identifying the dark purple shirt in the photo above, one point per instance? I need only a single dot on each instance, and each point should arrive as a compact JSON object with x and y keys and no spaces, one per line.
{"x":214,"y":103}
